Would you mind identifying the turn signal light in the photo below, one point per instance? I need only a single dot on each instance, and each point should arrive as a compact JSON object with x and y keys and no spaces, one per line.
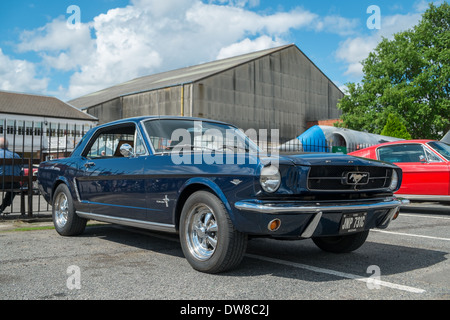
{"x":274,"y":225}
{"x":396,"y":214}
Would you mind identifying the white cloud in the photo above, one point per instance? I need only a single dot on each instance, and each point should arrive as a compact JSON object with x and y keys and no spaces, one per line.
{"x":336,"y":24}
{"x":150,"y":36}
{"x":158,"y":8}
{"x":124,"y":49}
{"x":54,"y":36}
{"x":60,"y":47}
{"x":239,"y":3}
{"x":19,"y":75}
{"x":355,"y":49}
{"x":422,"y":5}
{"x":247,"y":46}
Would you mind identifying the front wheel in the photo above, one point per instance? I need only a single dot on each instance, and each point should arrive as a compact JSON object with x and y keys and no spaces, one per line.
{"x":208,"y":238}
{"x":342,"y":244}
{"x":65,"y":219}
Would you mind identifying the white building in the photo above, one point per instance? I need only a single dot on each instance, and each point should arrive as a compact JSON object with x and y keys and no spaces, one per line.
{"x":41,"y":124}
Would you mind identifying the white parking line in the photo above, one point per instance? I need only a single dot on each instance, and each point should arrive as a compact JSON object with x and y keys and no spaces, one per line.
{"x":372,"y":281}
{"x":423,"y":216}
{"x":411,"y":235}
{"x":338,"y":274}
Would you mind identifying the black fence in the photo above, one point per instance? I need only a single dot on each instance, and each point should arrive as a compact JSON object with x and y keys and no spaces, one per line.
{"x":23,"y":146}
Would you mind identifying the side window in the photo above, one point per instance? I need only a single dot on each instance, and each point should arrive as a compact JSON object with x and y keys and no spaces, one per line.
{"x":107,"y":142}
{"x":401,"y":153}
{"x":102,"y":146}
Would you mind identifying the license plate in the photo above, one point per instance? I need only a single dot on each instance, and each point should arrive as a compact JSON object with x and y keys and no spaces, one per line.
{"x":353,"y":222}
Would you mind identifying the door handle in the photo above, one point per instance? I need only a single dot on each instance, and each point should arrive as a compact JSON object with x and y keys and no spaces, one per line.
{"x":89,"y":164}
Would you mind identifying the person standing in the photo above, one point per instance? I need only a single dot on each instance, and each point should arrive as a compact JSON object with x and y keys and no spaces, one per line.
{"x":8,"y":170}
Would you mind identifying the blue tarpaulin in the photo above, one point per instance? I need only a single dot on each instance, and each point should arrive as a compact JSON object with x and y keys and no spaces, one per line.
{"x":313,"y":140}
{"x":327,"y":138}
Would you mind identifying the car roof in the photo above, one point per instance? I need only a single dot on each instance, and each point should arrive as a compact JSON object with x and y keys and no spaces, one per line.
{"x":139,"y":119}
{"x":421,"y":141}
{"x":390,"y":143}
{"x":143,"y":118}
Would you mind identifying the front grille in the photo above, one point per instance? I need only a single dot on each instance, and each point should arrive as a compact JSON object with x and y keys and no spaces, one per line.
{"x":348,"y":178}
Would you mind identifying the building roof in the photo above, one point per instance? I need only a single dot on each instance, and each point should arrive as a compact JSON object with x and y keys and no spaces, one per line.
{"x":170,"y":78}
{"x":37,"y":105}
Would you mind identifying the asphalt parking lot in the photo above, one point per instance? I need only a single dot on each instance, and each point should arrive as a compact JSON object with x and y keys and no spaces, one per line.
{"x":407,"y":261}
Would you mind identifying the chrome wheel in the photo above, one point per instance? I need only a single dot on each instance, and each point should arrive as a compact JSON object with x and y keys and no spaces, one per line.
{"x":208,"y":238}
{"x":61,"y":210}
{"x":202,"y":232}
{"x":65,"y":218}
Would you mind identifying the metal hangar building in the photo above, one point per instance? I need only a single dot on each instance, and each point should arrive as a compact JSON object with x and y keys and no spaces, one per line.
{"x":278,"y":88}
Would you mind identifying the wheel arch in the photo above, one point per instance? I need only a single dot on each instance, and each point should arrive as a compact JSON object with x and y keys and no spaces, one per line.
{"x":194,"y":185}
{"x":59,"y":181}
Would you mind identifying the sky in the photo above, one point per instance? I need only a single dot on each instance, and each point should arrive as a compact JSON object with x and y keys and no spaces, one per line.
{"x":70,"y":48}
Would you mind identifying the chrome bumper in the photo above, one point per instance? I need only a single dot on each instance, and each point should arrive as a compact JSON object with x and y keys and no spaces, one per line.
{"x":391,"y":204}
{"x":292,"y":207}
{"x":416,"y":197}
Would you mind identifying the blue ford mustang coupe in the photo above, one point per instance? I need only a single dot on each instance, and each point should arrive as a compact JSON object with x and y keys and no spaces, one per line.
{"x":208,"y":182}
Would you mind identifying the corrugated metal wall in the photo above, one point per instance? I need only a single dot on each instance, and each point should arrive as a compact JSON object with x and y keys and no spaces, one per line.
{"x":281,"y":91}
{"x":166,"y":101}
{"x":107,"y":111}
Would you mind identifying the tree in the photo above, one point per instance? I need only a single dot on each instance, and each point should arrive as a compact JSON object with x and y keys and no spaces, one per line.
{"x":407,"y":76}
{"x":395,"y":128}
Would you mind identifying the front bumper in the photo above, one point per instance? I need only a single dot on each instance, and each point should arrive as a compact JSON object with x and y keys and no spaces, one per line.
{"x":313,"y":219}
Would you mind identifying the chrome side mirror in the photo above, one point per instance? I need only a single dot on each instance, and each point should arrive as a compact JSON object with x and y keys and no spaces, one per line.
{"x":126,"y":150}
{"x":422,"y":159}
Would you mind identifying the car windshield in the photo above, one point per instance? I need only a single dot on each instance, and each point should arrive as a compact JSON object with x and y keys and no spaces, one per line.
{"x":442,"y":148}
{"x":197,"y":135}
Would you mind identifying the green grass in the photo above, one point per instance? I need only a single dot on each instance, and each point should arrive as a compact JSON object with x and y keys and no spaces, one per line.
{"x":37,"y":228}
{"x":31,"y":228}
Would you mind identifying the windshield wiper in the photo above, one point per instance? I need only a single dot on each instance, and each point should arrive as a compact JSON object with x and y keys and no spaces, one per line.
{"x":193,"y":147}
{"x":234,"y":147}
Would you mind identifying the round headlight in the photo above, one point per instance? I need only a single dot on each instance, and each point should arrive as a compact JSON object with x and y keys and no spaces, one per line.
{"x":394,"y":181}
{"x":270,"y":178}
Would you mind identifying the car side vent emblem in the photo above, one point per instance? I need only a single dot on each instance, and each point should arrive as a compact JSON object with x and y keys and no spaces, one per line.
{"x":236,"y":181}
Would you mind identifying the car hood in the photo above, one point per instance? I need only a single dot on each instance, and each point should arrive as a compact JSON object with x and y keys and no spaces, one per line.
{"x":314,"y":159}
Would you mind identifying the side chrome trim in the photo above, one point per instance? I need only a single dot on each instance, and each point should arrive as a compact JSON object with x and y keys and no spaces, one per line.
{"x":417,"y":197}
{"x":75,"y":186}
{"x":276,"y":208}
{"x":129,"y":222}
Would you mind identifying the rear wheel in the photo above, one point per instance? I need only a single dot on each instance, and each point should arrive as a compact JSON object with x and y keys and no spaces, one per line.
{"x":65,"y":219}
{"x":208,"y":238}
{"x":342,"y":244}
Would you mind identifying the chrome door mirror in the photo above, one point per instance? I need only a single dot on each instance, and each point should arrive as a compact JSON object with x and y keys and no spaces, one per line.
{"x":422,"y":159}
{"x":126,"y":150}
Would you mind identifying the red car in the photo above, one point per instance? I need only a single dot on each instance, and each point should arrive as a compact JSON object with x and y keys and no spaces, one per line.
{"x":425,"y":165}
